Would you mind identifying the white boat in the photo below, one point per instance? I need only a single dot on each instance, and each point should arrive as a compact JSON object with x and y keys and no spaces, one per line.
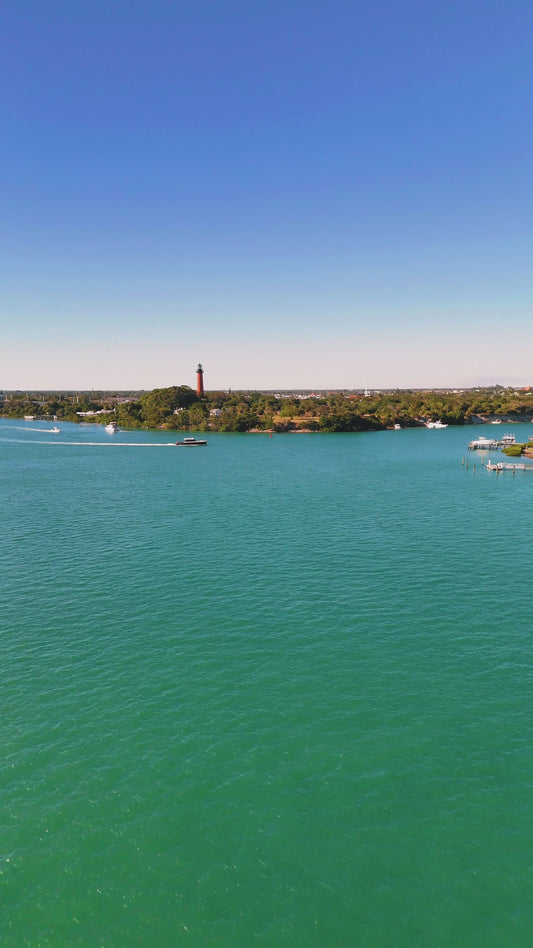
{"x":189,"y":443}
{"x":55,"y":430}
{"x":483,"y":444}
{"x":435,"y":424}
{"x":490,"y":444}
{"x":397,"y":427}
{"x":111,"y":427}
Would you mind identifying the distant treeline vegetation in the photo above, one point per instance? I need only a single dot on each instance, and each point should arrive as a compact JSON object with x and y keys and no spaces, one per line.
{"x":179,"y":408}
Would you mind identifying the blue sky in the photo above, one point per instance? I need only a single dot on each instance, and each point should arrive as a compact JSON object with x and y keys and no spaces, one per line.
{"x":296,"y":194}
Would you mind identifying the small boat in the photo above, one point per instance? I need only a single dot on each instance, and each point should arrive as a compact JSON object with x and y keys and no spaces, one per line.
{"x":435,"y":424}
{"x":111,"y":427}
{"x":483,"y":444}
{"x":397,"y":427}
{"x":55,"y":430}
{"x":189,"y":443}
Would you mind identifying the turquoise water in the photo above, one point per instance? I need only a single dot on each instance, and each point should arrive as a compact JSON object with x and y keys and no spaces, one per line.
{"x":274,"y":691}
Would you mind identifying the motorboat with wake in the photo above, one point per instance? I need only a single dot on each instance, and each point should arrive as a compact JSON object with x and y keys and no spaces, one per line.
{"x":190,"y":443}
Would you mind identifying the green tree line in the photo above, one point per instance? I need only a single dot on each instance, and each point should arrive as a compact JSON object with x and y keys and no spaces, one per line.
{"x":179,"y":408}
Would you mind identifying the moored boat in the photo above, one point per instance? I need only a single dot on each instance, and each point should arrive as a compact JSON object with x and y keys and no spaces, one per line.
{"x":484,"y":444}
{"x":491,"y":444}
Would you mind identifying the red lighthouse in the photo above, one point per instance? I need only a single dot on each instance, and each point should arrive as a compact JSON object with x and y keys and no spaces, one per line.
{"x":199,"y":380}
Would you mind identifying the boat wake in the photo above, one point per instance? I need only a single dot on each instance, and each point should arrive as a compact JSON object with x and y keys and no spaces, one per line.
{"x":115,"y":444}
{"x":98,"y":444}
{"x":32,"y":430}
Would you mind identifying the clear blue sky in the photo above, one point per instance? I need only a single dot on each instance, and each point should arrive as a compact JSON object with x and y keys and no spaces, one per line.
{"x":296,"y":194}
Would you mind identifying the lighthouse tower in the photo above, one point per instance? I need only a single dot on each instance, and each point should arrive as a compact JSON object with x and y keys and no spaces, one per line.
{"x":199,"y":380}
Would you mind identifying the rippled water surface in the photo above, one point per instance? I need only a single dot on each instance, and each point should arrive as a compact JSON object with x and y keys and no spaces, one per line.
{"x":274,"y":691}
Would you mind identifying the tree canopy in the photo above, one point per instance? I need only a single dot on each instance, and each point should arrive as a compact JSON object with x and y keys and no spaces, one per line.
{"x":180,"y":408}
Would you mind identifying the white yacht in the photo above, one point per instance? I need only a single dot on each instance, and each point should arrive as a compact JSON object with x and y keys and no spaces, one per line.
{"x":111,"y":427}
{"x":435,"y":424}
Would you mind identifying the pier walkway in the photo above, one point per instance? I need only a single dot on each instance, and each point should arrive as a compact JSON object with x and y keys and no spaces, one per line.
{"x":506,"y":466}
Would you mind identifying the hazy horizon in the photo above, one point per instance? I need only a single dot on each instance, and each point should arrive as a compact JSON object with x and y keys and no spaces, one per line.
{"x":34,"y":390}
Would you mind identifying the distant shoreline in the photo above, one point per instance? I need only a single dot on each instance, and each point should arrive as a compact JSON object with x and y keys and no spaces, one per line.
{"x":181,"y":409}
{"x":288,"y":429}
